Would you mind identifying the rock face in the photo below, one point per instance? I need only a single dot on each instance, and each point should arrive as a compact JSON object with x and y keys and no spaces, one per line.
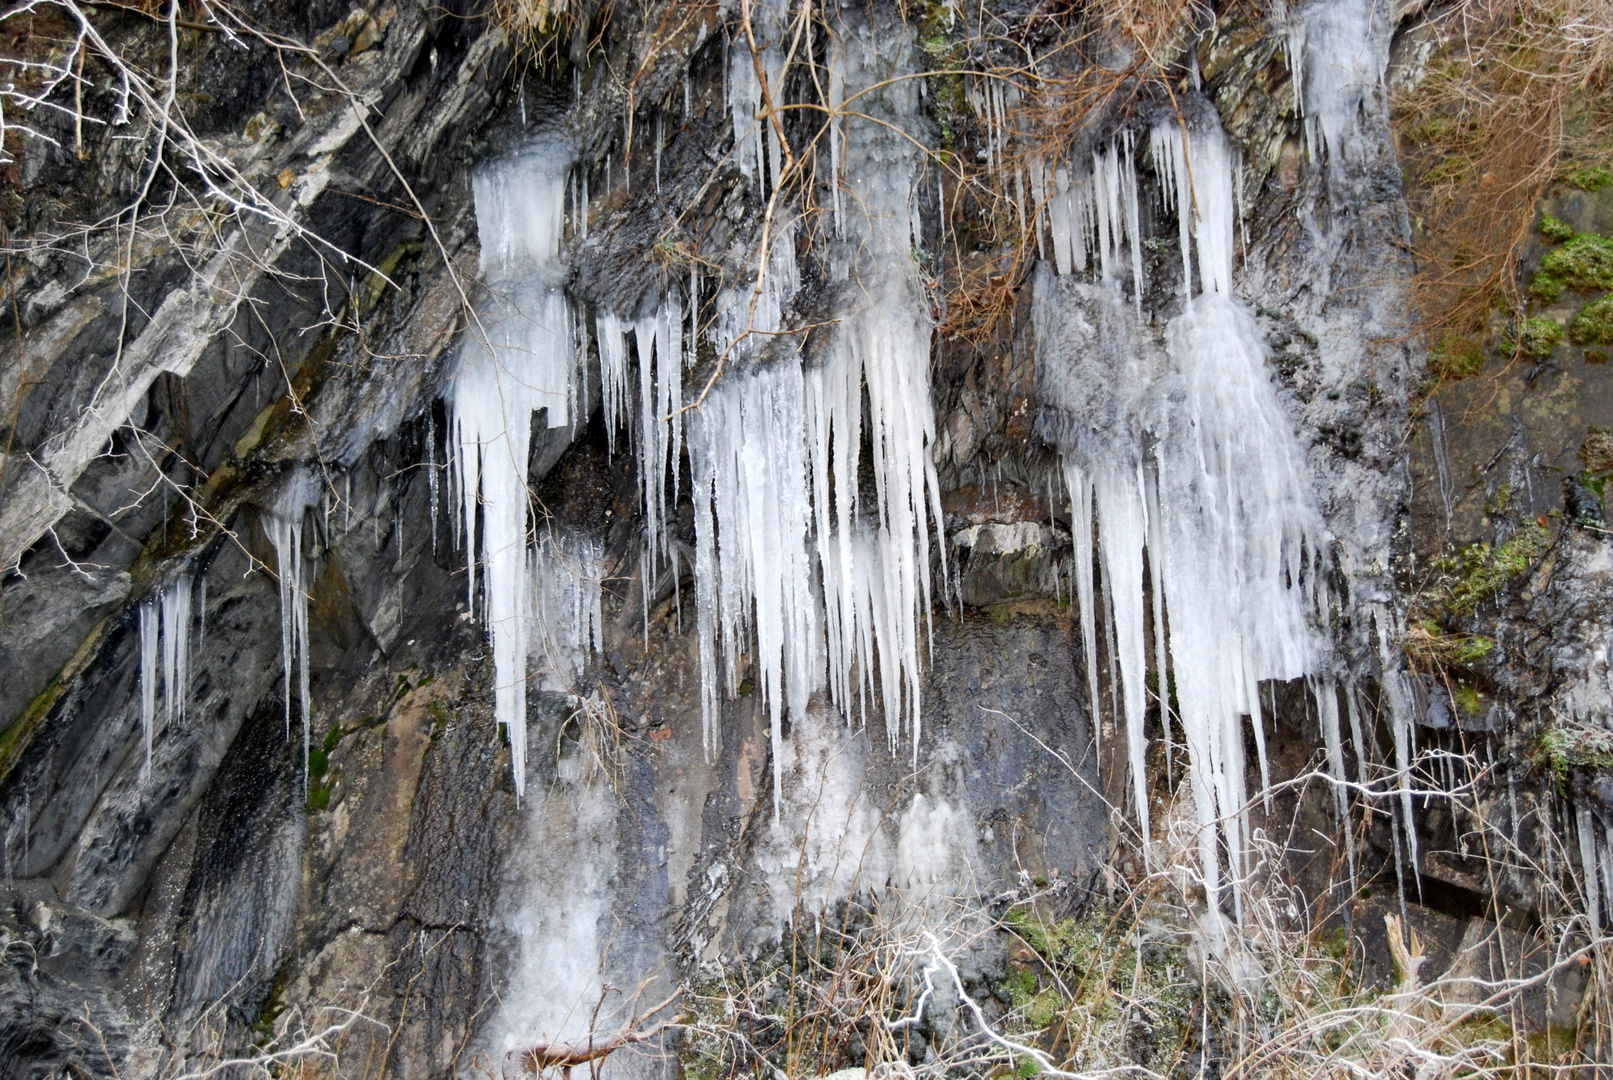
{"x":387,"y":889}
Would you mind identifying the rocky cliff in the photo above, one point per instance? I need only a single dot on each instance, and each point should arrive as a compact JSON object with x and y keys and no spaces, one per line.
{"x":930,"y":535}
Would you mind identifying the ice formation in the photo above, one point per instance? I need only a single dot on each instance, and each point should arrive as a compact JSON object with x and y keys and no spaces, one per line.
{"x":1094,"y":211}
{"x":283,"y":520}
{"x":757,"y":149}
{"x":748,"y":451}
{"x":518,"y":358}
{"x":1338,"y":55}
{"x":559,"y":919}
{"x":1187,"y":459}
{"x":786,"y":553}
{"x":165,"y":621}
{"x":567,"y":621}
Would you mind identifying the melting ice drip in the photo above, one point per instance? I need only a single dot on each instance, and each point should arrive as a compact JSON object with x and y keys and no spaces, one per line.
{"x":775,"y":453}
{"x":283,"y":521}
{"x":164,"y":640}
{"x":1210,"y":486}
{"x":518,"y":357}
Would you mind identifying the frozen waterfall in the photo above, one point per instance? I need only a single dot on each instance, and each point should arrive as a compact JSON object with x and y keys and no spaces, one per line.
{"x":1182,"y":457}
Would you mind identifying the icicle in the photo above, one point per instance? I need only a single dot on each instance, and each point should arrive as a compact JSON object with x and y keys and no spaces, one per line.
{"x":150,"y":631}
{"x":748,"y":448}
{"x":1080,"y":489}
{"x":775,"y":453}
{"x":176,"y":646}
{"x":1122,"y":528}
{"x":613,"y":386}
{"x":567,"y":617}
{"x":1327,"y":707}
{"x":659,"y":338}
{"x":1592,"y":867}
{"x":432,"y":480}
{"x":1398,"y":699}
{"x":283,"y":521}
{"x":518,"y":357}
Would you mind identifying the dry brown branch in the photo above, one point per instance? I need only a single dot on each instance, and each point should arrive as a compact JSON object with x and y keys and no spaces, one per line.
{"x":565,"y":1055}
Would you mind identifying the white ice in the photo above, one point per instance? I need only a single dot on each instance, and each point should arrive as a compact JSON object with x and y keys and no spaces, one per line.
{"x":518,"y":358}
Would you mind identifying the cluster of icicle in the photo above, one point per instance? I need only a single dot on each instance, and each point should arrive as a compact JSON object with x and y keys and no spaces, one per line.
{"x":790,"y":558}
{"x":1187,"y":461}
{"x":1337,"y":53}
{"x":165,"y":622}
{"x":793,"y":564}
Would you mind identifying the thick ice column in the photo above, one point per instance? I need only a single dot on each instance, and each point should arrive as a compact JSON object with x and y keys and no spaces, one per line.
{"x":518,"y":357}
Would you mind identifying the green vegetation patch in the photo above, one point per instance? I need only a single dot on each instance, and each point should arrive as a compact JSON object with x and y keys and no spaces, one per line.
{"x":1560,"y":751}
{"x":1538,"y":337}
{"x":1594,"y":325}
{"x":1583,"y":264}
{"x":1555,"y":230}
{"x":1427,"y":640}
{"x":1478,"y":572}
{"x":1590,"y":178}
{"x":1457,"y":356}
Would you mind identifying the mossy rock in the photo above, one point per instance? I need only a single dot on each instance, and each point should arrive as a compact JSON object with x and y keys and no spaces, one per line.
{"x":1538,"y":337}
{"x":1479,"y":572}
{"x":1594,"y":325}
{"x":1583,"y":264}
{"x":1554,"y":230}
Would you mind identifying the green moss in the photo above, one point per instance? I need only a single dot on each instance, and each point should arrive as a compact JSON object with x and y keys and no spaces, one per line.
{"x":1478,"y":572}
{"x":1594,"y":325}
{"x":1553,"y":229}
{"x":1583,"y":264}
{"x":1592,"y":178}
{"x":1560,"y":752}
{"x":1457,"y":356}
{"x":319,"y":798}
{"x":1468,"y":700}
{"x":1538,"y":337}
{"x":318,"y":763}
